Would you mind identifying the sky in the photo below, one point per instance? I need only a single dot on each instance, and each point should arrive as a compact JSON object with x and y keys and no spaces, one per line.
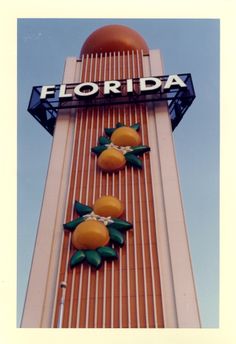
{"x":187,"y":46}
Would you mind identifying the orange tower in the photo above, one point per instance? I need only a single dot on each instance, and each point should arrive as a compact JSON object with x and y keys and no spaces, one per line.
{"x":150,"y":283}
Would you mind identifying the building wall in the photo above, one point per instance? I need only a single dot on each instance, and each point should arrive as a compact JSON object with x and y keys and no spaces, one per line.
{"x":126,"y":292}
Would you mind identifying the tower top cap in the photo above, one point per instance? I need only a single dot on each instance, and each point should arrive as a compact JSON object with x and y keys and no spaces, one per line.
{"x":113,"y":38}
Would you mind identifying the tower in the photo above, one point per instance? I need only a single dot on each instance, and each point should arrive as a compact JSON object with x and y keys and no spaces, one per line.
{"x":151,"y":283}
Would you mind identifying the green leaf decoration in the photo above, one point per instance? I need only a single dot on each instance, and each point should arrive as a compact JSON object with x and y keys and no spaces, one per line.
{"x":116,"y":236}
{"x":109,"y":131}
{"x":121,"y":225}
{"x":82,"y":209}
{"x":77,"y":258}
{"x":98,"y":149}
{"x":107,"y":252}
{"x":133,"y":160}
{"x":119,"y":124}
{"x":93,"y":258}
{"x":135,"y":126}
{"x":103,"y":140}
{"x":73,"y":224}
{"x":138,"y":150}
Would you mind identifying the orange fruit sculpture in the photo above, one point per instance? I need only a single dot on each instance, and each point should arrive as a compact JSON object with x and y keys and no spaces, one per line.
{"x":96,"y":229}
{"x":121,"y":145}
{"x":125,"y":136}
{"x":111,"y":160}
{"x":90,"y":234}
{"x":108,"y":206}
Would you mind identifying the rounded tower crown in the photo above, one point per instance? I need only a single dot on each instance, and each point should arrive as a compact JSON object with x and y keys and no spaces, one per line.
{"x":113,"y":38}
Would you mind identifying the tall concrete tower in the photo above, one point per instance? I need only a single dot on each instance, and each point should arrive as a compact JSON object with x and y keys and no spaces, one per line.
{"x":117,"y":82}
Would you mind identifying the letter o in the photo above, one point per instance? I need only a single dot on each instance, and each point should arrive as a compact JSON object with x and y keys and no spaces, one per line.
{"x":86,"y":89}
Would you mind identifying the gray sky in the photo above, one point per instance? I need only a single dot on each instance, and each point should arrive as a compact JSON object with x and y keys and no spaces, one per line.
{"x":187,"y":46}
